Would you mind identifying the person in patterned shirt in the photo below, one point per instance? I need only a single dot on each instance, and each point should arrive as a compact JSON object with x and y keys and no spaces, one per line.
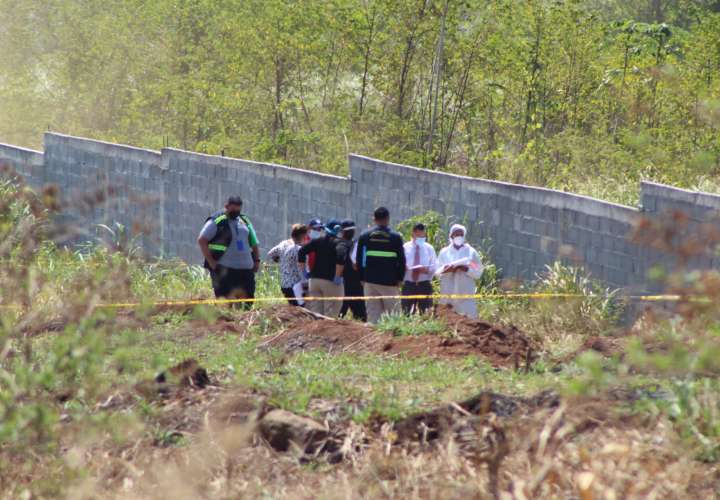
{"x":286,"y":254}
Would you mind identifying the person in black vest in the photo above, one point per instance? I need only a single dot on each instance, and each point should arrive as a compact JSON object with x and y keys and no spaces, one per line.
{"x":326,"y":275}
{"x":351,"y":277}
{"x":230,"y":247}
{"x":380,"y":259}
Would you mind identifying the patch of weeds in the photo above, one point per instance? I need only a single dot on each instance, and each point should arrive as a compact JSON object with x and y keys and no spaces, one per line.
{"x":263,"y":325}
{"x":415,"y":324}
{"x":367,"y":385}
{"x":166,"y":438}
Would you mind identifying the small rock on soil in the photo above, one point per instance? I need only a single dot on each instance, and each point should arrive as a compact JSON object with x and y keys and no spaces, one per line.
{"x":283,"y":429}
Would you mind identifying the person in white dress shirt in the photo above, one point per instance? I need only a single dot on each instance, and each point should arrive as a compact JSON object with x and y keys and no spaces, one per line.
{"x":459,"y":265}
{"x":421,"y":263}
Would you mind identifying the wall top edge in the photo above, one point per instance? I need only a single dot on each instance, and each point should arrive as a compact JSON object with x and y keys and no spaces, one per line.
{"x":231,"y":160}
{"x":507,"y":186}
{"x":20,"y":148}
{"x":101,"y":143}
{"x":650,"y":185}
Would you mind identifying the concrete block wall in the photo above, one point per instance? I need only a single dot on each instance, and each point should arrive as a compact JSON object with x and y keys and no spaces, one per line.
{"x":26,"y":162}
{"x":104,"y":183}
{"x":527,"y":227}
{"x":171,"y":193}
{"x":700,"y":218}
{"x":274,"y":197}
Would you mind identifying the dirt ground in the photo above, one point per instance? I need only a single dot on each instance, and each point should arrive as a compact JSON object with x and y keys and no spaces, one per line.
{"x":499,"y":345}
{"x":489,"y":445}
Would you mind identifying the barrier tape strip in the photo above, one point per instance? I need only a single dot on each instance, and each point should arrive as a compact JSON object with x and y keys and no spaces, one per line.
{"x":496,"y":296}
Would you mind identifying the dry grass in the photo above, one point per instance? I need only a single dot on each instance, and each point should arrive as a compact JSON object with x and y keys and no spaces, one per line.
{"x":579,"y":450}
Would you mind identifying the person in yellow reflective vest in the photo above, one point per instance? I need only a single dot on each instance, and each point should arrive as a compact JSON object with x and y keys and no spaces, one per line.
{"x":230,"y":247}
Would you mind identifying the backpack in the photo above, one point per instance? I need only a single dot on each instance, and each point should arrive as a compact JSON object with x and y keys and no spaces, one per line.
{"x":220,"y":242}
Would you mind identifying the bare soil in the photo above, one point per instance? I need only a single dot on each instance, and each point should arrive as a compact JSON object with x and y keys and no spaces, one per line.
{"x":500,"y":345}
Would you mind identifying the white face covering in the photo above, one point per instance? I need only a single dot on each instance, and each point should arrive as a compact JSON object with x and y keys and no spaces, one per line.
{"x":459,"y":241}
{"x":315,"y":234}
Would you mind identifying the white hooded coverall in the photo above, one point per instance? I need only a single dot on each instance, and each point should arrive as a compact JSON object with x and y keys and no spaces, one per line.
{"x":459,"y":282}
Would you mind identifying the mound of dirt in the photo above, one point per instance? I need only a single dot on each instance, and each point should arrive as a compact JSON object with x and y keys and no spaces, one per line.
{"x":430,"y":425}
{"x":605,"y":346}
{"x":311,"y":334}
{"x":500,"y":345}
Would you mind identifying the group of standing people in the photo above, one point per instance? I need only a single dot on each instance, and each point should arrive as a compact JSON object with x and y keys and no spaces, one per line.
{"x":327,"y":262}
{"x":372,"y":270}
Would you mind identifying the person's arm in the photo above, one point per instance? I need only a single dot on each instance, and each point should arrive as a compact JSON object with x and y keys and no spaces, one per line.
{"x":256,"y":258}
{"x":205,"y":250}
{"x":432,"y":261}
{"x":353,"y":256}
{"x":475,"y":269}
{"x":274,"y":253}
{"x":207,"y":233}
{"x":302,"y":254}
{"x":443,"y":266}
{"x":340,"y":258}
{"x":360,"y":254}
{"x":253,"y":242}
{"x":252,"y":235}
{"x":401,"y":264}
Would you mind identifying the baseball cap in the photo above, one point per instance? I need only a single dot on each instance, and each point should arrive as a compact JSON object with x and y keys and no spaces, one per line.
{"x":347,"y":224}
{"x":332,"y":226}
{"x":315,"y":223}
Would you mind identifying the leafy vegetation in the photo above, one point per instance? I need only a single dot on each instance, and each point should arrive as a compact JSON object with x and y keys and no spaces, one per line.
{"x":583,"y":95}
{"x":414,"y":324}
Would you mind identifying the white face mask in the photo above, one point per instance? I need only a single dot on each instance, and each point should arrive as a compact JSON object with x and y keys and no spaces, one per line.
{"x":315,"y":234}
{"x":420,"y":241}
{"x":459,"y":241}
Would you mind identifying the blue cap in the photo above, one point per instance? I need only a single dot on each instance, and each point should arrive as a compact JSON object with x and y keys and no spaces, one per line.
{"x":315,"y":223}
{"x":332,"y":227}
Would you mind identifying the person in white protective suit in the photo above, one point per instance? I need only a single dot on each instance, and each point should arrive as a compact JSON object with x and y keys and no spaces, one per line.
{"x":459,"y":265}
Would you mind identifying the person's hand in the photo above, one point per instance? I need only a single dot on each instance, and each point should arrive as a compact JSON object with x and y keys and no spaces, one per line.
{"x":212,"y":264}
{"x":256,"y":266}
{"x":462,"y":269}
{"x":448,"y":269}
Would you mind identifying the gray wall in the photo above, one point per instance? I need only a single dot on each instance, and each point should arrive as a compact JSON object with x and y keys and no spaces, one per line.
{"x":104,"y":183}
{"x":273,"y":197}
{"x":26,"y":162}
{"x":171,"y":192}
{"x":696,"y":217}
{"x":527,"y":227}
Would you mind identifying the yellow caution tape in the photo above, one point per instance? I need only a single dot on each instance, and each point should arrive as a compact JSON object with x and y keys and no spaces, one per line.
{"x":495,"y":296}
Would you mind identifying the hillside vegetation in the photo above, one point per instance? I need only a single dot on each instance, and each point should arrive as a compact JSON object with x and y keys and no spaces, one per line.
{"x":584,"y":95}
